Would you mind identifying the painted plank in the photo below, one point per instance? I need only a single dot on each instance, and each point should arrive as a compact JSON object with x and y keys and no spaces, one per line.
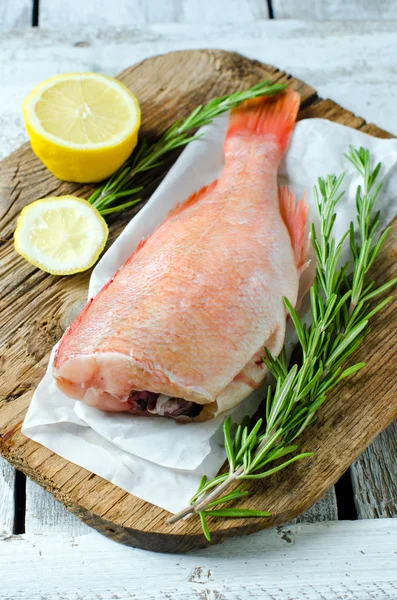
{"x":7,"y":483}
{"x":45,"y":515}
{"x":131,"y":13}
{"x":64,"y":14}
{"x":325,"y":509}
{"x":335,"y":9}
{"x":15,"y":14}
{"x":221,"y":11}
{"x":355,"y":560}
{"x":374,"y":476}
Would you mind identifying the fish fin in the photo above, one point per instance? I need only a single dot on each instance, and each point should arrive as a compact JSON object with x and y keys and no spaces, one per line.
{"x":195,"y":197}
{"x":275,"y":115}
{"x":294,"y":215}
{"x":130,"y":258}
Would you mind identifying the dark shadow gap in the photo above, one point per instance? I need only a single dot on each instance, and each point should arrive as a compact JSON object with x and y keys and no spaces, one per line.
{"x":270,"y":9}
{"x":19,"y":503}
{"x":345,"y":498}
{"x":35,"y":13}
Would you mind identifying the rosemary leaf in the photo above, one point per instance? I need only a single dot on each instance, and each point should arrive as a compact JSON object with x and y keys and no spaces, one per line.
{"x":278,"y":468}
{"x":249,"y":438}
{"x":228,"y":442}
{"x":235,"y":495}
{"x":204,"y":526}
{"x":236,"y":512}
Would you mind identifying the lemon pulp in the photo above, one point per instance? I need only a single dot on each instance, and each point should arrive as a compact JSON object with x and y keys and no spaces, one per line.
{"x":60,"y":235}
{"x":83,"y":126}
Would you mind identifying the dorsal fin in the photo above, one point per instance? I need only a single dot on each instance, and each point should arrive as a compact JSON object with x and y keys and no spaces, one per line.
{"x":195,"y":197}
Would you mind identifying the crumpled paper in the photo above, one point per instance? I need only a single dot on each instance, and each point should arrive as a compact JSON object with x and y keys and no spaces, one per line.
{"x":159,"y":460}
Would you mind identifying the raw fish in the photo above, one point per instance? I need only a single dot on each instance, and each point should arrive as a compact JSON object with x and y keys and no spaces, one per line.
{"x":180,"y":329}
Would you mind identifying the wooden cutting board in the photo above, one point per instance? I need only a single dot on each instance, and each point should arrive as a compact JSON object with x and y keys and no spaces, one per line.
{"x":36,"y":307}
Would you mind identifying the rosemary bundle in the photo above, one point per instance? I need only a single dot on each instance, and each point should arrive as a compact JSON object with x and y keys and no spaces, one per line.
{"x":341,"y":308}
{"x":107,"y":198}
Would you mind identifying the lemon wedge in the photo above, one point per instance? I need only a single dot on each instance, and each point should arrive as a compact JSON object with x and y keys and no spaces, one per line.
{"x":82,"y":126}
{"x":61,"y":235}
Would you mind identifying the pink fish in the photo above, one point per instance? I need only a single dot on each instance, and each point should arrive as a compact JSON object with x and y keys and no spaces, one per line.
{"x":180,"y":329}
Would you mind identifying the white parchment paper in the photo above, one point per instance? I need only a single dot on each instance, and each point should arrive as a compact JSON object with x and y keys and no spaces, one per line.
{"x":159,"y":460}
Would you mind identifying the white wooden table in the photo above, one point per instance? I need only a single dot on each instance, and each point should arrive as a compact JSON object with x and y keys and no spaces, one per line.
{"x":45,"y":552}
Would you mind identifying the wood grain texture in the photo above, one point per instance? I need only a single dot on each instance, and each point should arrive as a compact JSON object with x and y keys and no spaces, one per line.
{"x":374,"y":476}
{"x":340,"y":10}
{"x":45,"y":515}
{"x":62,"y":14}
{"x":15,"y":14}
{"x":32,"y":305}
{"x":323,"y":561}
{"x":7,"y":487}
{"x":328,"y":56}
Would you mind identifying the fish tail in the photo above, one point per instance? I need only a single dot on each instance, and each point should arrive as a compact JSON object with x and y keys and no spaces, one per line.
{"x":273,"y":116}
{"x":294,"y":215}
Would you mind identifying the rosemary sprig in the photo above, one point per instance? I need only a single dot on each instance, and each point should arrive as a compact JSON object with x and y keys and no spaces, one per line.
{"x":149,"y":156}
{"x":340,"y":311}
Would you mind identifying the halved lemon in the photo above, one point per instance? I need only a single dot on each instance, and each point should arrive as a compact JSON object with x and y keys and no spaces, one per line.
{"x":82,"y":126}
{"x":61,"y":235}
